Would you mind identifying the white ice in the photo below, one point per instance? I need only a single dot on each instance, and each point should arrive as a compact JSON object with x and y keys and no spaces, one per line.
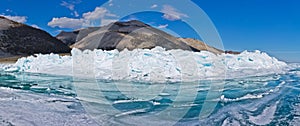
{"x":155,"y":65}
{"x":22,"y":108}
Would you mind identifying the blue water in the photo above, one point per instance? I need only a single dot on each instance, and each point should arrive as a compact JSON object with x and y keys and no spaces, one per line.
{"x":260,"y":100}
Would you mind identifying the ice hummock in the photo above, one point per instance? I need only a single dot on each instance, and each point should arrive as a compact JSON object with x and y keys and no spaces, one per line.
{"x":155,"y":65}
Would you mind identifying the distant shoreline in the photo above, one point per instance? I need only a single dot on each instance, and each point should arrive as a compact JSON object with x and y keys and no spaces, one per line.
{"x":14,"y":59}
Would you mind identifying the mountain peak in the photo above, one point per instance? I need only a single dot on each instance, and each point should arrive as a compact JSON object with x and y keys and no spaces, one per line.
{"x":6,"y":23}
{"x":131,"y":23}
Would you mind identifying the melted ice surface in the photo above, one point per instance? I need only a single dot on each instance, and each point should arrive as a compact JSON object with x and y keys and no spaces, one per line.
{"x":155,"y":65}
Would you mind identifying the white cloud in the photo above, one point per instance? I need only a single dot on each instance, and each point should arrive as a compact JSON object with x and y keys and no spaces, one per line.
{"x":71,"y":6}
{"x":9,"y":10}
{"x":68,"y":5}
{"x":76,"y":14}
{"x":98,"y":13}
{"x":154,"y":6}
{"x":65,"y":22}
{"x":35,"y":26}
{"x":171,"y":13}
{"x":110,"y":3}
{"x":163,"y":26}
{"x":131,"y":17}
{"x":107,"y":21}
{"x":20,"y":19}
{"x":98,"y":16}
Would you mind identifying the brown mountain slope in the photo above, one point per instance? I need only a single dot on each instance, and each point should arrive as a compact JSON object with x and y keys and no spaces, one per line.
{"x":131,"y":35}
{"x":199,"y":45}
{"x":18,"y":39}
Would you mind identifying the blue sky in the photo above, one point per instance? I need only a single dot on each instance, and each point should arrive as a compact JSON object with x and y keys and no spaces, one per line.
{"x":272,"y":26}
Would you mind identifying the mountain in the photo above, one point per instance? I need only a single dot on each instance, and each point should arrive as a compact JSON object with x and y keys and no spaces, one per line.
{"x":199,"y":45}
{"x":131,"y":35}
{"x":17,"y":39}
{"x":69,"y":38}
